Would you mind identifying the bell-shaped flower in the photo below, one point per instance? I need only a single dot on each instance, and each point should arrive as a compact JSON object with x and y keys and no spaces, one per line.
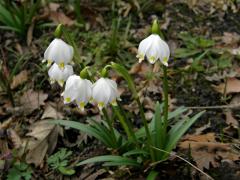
{"x":77,"y":90}
{"x":153,"y":48}
{"x":59,"y":52}
{"x":104,"y":92}
{"x":59,"y":75}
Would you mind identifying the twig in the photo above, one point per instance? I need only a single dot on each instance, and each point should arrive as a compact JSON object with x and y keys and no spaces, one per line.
{"x":195,"y":167}
{"x":230,"y":106}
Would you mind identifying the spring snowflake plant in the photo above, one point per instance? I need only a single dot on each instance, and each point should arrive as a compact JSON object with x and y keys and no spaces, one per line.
{"x":154,"y":141}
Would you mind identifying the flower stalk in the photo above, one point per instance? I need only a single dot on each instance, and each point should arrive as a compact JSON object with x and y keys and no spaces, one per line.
{"x":165,"y":93}
{"x":110,"y":125}
{"x":156,"y":30}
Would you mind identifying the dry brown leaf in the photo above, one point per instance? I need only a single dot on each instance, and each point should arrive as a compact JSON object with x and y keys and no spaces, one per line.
{"x":61,"y":18}
{"x":140,"y":68}
{"x":32,"y":100}
{"x":201,"y":129}
{"x":233,"y":86}
{"x":42,"y":141}
{"x":51,"y":112}
{"x":17,"y":142}
{"x":230,"y":120}
{"x":230,"y":38}
{"x":19,"y":79}
{"x":54,"y":6}
{"x":205,"y":150}
{"x":95,"y":175}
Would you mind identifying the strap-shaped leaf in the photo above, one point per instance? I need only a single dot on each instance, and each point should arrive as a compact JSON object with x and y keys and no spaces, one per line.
{"x":110,"y":160}
{"x":174,"y":136}
{"x":134,"y":152}
{"x":82,"y":127}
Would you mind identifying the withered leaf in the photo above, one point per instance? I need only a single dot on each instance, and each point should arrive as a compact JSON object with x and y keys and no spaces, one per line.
{"x":32,"y":100}
{"x":51,"y":113}
{"x":233,"y":86}
{"x":19,"y":79}
{"x":42,"y":140}
{"x":205,"y":150}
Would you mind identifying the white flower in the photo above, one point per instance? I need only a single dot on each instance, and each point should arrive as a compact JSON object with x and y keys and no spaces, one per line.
{"x":59,"y":75}
{"x":59,"y":52}
{"x":154,"y":48}
{"x":104,"y":92}
{"x":78,"y":90}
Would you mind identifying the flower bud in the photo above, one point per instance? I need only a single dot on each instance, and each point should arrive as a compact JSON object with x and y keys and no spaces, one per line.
{"x":77,"y":90}
{"x":104,"y":92}
{"x":59,"y":75}
{"x":153,"y":48}
{"x":59,"y":52}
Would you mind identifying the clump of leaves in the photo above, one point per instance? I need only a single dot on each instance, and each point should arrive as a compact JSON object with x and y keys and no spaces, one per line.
{"x":59,"y":161}
{"x":17,"y":16}
{"x":20,"y":170}
{"x":198,"y":48}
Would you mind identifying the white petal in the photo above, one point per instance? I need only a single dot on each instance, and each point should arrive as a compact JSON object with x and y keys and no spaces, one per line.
{"x":57,"y":74}
{"x":101,"y":92}
{"x":71,"y":89}
{"x":59,"y":52}
{"x":143,"y":47}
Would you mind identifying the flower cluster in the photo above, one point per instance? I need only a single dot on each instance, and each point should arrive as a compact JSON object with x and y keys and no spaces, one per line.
{"x":153,"y":48}
{"x":77,"y":89}
{"x":60,"y":54}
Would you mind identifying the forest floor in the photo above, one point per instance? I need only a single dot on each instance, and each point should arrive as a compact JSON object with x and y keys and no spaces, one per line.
{"x":204,"y":74}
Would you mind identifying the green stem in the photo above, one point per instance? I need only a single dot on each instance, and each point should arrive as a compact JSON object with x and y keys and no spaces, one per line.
{"x":165,"y":92}
{"x":124,"y":73}
{"x":110,"y":124}
{"x":6,"y":86}
{"x":127,"y":126}
{"x":145,"y":123}
{"x":73,"y":44}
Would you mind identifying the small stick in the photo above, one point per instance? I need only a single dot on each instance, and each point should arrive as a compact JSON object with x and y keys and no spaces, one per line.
{"x":195,"y":167}
{"x":230,"y":106}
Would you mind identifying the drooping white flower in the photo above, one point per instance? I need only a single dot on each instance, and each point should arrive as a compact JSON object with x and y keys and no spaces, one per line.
{"x":59,"y":75}
{"x":77,"y":90}
{"x":59,"y":52}
{"x":104,"y":92}
{"x":153,"y":48}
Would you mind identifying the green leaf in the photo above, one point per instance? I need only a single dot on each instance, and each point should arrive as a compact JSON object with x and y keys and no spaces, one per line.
{"x":124,"y":73}
{"x":123,"y":163}
{"x":177,"y":112}
{"x":104,"y":132}
{"x":178,"y":132}
{"x":14,"y":174}
{"x":110,"y":158}
{"x":140,"y":133}
{"x":184,"y":52}
{"x":134,"y":152}
{"x":66,"y":171}
{"x":158,"y":135}
{"x":84,"y":128}
{"x":152,"y":175}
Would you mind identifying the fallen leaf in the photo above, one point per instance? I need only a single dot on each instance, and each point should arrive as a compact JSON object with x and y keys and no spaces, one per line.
{"x":32,"y":100}
{"x":230,"y":38}
{"x":42,"y":140}
{"x":201,"y":129}
{"x":61,"y":18}
{"x":140,"y":68}
{"x":233,"y":86}
{"x":17,"y":142}
{"x":54,"y":6}
{"x":230,"y":120}
{"x":205,"y":150}
{"x":19,"y":79}
{"x":51,"y":112}
{"x":95,"y":175}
